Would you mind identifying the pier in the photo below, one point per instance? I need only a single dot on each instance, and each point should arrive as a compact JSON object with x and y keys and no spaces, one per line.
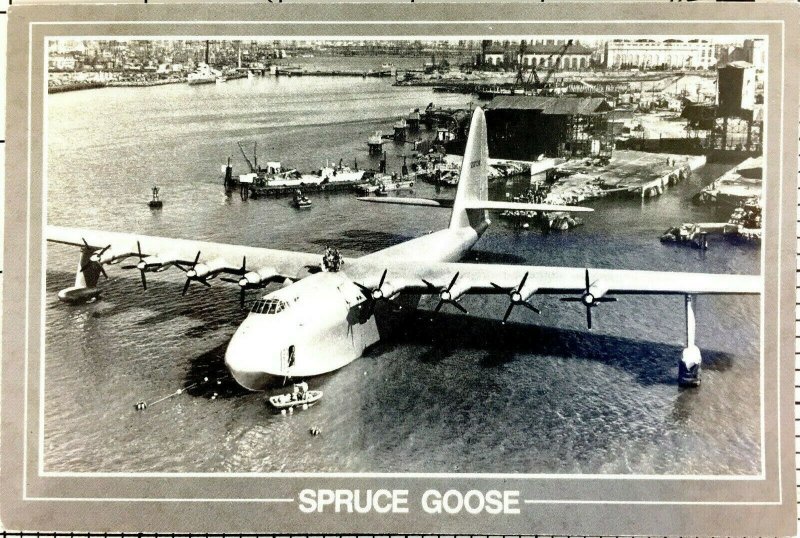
{"x":631,"y":173}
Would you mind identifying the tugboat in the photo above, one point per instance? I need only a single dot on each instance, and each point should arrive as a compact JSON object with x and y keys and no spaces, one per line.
{"x":299,"y":397}
{"x":156,"y":202}
{"x":300,"y":201}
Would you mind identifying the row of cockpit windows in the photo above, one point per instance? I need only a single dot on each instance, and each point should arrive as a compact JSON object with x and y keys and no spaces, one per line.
{"x":268,"y":306}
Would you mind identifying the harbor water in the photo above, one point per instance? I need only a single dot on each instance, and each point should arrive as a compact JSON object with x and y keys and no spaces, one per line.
{"x":447,"y":393}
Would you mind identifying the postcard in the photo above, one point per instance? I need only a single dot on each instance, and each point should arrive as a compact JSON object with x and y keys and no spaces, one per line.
{"x":483,"y":268}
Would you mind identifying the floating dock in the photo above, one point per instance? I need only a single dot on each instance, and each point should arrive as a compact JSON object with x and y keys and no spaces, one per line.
{"x":735,"y":186}
{"x":628,"y":172}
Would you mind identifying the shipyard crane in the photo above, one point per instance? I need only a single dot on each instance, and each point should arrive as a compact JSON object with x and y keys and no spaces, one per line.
{"x":553,"y":64}
{"x":533,"y":82}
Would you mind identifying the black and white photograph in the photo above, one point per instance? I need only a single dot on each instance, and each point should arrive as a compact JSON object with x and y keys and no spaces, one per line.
{"x":370,"y":268}
{"x":536,"y":255}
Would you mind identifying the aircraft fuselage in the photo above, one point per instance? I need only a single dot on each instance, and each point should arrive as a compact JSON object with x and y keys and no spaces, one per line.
{"x":322,"y":322}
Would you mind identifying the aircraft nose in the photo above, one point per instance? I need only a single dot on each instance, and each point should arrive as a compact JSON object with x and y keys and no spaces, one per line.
{"x":246,"y":359}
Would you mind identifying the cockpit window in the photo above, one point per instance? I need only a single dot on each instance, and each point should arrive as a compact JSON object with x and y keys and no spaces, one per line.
{"x":268,"y":306}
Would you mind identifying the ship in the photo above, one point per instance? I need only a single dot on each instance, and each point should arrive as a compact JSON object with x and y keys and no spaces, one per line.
{"x":204,"y":74}
{"x":327,"y":178}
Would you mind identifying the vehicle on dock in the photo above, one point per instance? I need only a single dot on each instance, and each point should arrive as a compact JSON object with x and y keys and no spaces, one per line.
{"x":300,"y":396}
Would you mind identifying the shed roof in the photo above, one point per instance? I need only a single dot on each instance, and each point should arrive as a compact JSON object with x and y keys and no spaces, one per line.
{"x":563,"y":106}
{"x":555,"y":49}
{"x":495,"y":49}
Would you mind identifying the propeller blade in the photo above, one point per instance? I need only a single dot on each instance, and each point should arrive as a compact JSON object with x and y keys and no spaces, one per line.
{"x":522,"y":282}
{"x":606,"y":300}
{"x":126,"y":267}
{"x":144,"y":280}
{"x":186,"y":286}
{"x":495,"y":286}
{"x":383,"y":277}
{"x":438,"y":306}
{"x":231,"y":280}
{"x":428,"y":284}
{"x":587,"y":281}
{"x":204,"y":282}
{"x":365,"y":290}
{"x":85,"y":243}
{"x":103,"y":250}
{"x":180,"y":266}
{"x":508,"y":312}
{"x":241,"y":297}
{"x":589,"y":317}
{"x":458,"y":305}
{"x":103,"y":271}
{"x":139,"y":250}
{"x":529,"y":306}
{"x":452,"y":282}
{"x":197,"y":258}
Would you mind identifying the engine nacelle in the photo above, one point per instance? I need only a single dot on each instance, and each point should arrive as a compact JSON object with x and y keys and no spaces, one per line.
{"x":206,"y":269}
{"x":255,"y":279}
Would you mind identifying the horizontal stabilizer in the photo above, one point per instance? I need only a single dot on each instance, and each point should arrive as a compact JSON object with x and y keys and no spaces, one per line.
{"x":514,"y":206}
{"x":427,"y":202}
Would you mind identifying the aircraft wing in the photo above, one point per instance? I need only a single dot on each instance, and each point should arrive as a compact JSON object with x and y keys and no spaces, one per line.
{"x":228,"y":257}
{"x":494,"y":278}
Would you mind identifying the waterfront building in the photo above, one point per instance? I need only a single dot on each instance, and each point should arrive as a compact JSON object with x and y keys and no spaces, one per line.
{"x":667,"y":54}
{"x":495,"y":55}
{"x":526,"y":126}
{"x":61,"y":63}
{"x":558,"y":55}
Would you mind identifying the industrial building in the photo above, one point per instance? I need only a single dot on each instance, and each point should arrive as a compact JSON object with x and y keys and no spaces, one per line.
{"x":667,"y":53}
{"x":544,"y":53}
{"x":526,"y":126}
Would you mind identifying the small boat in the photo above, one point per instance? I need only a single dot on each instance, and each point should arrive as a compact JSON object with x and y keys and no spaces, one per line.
{"x":156,"y":202}
{"x":300,"y":201}
{"x":300,"y":396}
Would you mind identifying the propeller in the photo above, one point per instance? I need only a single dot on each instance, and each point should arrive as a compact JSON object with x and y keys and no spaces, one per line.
{"x":589,"y":300}
{"x":241,"y":281}
{"x":373,"y":294}
{"x":191,"y":274}
{"x":445,"y":297}
{"x":95,"y":258}
{"x":516,"y":299}
{"x":141,"y":266}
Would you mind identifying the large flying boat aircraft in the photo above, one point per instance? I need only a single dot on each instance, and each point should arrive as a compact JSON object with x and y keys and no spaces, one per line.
{"x":325,"y":319}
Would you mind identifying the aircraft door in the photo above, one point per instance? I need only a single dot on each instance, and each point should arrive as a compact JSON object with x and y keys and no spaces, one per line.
{"x":288,"y":356}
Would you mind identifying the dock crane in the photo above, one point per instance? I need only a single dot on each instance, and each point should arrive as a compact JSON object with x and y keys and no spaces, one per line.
{"x":254,"y":163}
{"x":533,"y":82}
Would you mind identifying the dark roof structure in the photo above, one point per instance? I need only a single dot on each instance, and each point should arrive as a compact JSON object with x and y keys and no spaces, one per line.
{"x":552,"y":106}
{"x":495,"y":49}
{"x":555,"y":49}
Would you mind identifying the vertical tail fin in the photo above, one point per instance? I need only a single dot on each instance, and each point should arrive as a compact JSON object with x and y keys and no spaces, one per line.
{"x":473,"y":184}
